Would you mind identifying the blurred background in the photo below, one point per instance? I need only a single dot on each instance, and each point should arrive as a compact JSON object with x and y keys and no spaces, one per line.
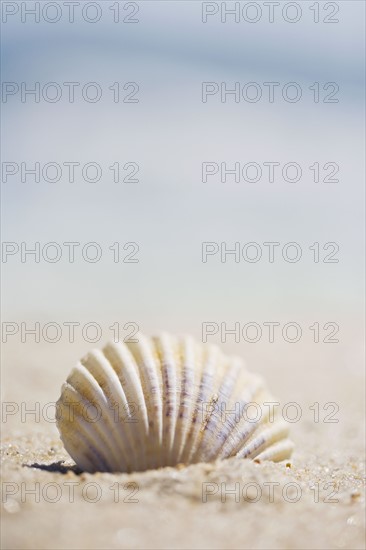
{"x":170,"y":211}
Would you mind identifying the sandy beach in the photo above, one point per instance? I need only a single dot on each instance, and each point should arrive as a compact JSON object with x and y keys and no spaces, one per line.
{"x":314,"y":501}
{"x":198,"y":168}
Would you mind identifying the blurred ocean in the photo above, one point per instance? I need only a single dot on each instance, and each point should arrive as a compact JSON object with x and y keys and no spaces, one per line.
{"x":169,"y":133}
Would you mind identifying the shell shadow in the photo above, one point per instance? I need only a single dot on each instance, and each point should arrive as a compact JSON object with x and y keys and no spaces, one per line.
{"x":58,"y":467}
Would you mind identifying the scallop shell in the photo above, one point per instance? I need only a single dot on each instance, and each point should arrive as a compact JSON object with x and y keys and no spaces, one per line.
{"x":162,"y":401}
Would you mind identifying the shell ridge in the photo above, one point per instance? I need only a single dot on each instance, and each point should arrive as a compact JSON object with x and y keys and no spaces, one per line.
{"x":205,"y":387}
{"x":213,"y":436}
{"x":118,"y":409}
{"x":124,"y":365}
{"x":165,"y":400}
{"x":268,"y":435}
{"x":85,"y":383}
{"x":186,"y":402}
{"x":150,"y":377}
{"x":66,"y":423}
{"x":164,"y":346}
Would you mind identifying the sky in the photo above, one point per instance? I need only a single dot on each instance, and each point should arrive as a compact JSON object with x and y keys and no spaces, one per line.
{"x":160,"y":136}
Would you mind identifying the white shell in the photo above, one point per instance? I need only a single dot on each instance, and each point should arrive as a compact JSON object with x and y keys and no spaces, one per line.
{"x":164,"y":401}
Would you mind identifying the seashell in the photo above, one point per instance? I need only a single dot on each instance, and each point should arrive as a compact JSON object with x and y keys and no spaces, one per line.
{"x":163,"y":401}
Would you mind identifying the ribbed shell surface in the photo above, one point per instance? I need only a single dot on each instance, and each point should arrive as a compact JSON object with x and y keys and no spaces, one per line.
{"x":164,"y":401}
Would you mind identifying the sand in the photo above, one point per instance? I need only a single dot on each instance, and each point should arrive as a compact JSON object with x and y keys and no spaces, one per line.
{"x":315,"y":501}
